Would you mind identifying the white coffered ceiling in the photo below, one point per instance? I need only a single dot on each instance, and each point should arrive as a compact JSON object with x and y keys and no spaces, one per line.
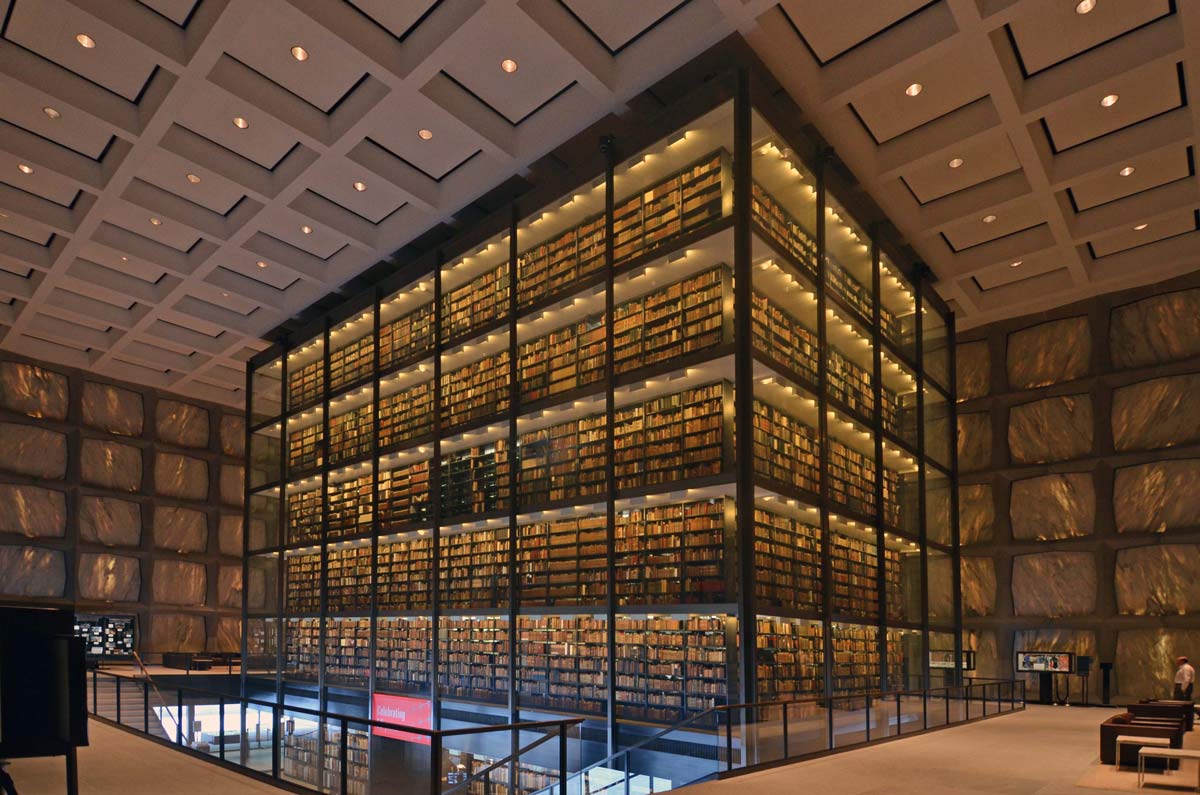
{"x":114,"y":259}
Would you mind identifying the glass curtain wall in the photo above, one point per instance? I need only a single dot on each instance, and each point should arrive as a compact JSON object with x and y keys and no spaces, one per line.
{"x":678,"y":438}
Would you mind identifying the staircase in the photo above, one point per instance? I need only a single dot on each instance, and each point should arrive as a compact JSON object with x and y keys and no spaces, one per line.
{"x":135,"y":712}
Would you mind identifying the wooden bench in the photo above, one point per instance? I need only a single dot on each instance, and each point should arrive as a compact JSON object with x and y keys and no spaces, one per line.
{"x":1133,"y":739}
{"x":1167,"y":754}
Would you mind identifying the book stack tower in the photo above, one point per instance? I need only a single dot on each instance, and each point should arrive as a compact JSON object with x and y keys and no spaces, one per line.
{"x":678,"y":438}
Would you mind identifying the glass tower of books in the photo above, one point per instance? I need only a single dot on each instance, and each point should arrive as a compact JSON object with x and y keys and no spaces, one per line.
{"x":680,"y":435}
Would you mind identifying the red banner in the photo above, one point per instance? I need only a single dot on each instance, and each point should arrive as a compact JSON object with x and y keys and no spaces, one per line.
{"x":415,"y":712}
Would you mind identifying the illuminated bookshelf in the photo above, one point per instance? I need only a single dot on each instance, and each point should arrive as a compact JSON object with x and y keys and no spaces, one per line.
{"x":631,"y":478}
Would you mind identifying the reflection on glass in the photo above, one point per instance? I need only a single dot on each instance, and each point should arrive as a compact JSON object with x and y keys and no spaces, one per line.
{"x":263,"y":531}
{"x":897,"y":307}
{"x":935,"y":345}
{"x":265,"y":455}
{"x":266,"y":386}
{"x":306,"y":374}
{"x":938,"y":432}
{"x":848,"y":267}
{"x":938,"y":516}
{"x":941,"y":588}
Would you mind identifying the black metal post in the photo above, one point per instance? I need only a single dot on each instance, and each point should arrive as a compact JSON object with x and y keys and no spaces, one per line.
{"x":744,"y":385}
{"x":276,"y":726}
{"x":145,"y":706}
{"x":899,"y":723}
{"x":562,"y":759}
{"x":178,"y":716}
{"x":95,"y":699}
{"x":344,"y":757}
{"x":221,"y":728}
{"x":117,"y":680}
{"x":609,"y":150}
{"x":435,"y":764}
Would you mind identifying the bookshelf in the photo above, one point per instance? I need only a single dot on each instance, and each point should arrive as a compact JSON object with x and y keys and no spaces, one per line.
{"x":475,"y":660}
{"x":673,"y":554}
{"x":788,"y":554}
{"x":669,"y":667}
{"x":303,"y":759}
{"x":402,"y":654}
{"x":562,"y":462}
{"x":563,"y":562}
{"x":406,"y":338}
{"x":791,"y":661}
{"x":348,"y":579}
{"x":458,"y":443}
{"x":348,"y":506}
{"x":406,"y":416}
{"x":478,"y":304}
{"x":474,"y":571}
{"x":562,"y":663}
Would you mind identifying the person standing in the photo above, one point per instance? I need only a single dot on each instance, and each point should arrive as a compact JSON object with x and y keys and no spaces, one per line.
{"x":1185,"y":677}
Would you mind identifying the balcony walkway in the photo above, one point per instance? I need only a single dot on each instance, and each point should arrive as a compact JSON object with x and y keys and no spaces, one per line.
{"x":120,"y":763}
{"x":1041,"y":751}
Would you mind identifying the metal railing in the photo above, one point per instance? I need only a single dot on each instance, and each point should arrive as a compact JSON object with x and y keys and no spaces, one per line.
{"x":314,"y":750}
{"x":736,"y":738}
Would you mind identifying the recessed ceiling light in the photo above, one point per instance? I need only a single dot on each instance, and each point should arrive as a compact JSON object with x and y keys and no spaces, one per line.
{"x":306,"y":229}
{"x":1109,"y":100}
{"x":508,"y":65}
{"x":1016,"y":264}
{"x":987,"y":219}
{"x":299,"y":53}
{"x":24,"y":168}
{"x":155,"y":221}
{"x":1140,"y":227}
{"x":955,"y":163}
{"x":51,"y":112}
{"x":1084,"y":6}
{"x":240,"y":123}
{"x":425,"y":135}
{"x":1125,"y":172}
{"x":360,"y":186}
{"x":261,"y":264}
{"x":914,"y":89}
{"x":193,"y":178}
{"x":85,"y":41}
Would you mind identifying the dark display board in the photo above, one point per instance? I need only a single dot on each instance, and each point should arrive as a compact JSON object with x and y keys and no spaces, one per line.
{"x":1051,"y":662}
{"x":107,"y":636}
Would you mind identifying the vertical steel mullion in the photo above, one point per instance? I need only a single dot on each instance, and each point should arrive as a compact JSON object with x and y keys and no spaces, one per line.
{"x":281,"y":528}
{"x":247,"y":441}
{"x":435,"y":499}
{"x":514,"y":409}
{"x":880,"y":467}
{"x":923,"y":517}
{"x":323,"y":544}
{"x":608,"y":149}
{"x":373,"y":643}
{"x":823,"y":442}
{"x":955,"y":537}
{"x":744,"y":387}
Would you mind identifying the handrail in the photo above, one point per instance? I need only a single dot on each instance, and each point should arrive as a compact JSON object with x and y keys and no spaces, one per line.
{"x":968,"y":688}
{"x":178,"y":718}
{"x":514,"y":756}
{"x":526,"y":726}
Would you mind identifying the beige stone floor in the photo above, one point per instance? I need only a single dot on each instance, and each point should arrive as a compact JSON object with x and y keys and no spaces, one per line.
{"x":118,"y":763}
{"x":1042,"y":751}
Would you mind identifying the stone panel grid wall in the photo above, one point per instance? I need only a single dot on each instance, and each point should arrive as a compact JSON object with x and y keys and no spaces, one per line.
{"x":117,"y":499}
{"x":1079,"y":508}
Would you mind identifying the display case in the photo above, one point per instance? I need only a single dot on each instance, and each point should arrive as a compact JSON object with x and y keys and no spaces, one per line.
{"x":672,"y":433}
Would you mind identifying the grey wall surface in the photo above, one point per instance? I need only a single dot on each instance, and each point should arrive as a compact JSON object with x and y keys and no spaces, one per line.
{"x":110,"y":502}
{"x":1079,"y":498}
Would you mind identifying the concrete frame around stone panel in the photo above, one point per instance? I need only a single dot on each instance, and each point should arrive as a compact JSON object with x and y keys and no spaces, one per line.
{"x":145,"y":552}
{"x":1099,"y":382}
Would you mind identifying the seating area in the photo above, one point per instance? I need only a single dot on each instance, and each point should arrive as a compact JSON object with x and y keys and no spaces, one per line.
{"x":1138,"y":737}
